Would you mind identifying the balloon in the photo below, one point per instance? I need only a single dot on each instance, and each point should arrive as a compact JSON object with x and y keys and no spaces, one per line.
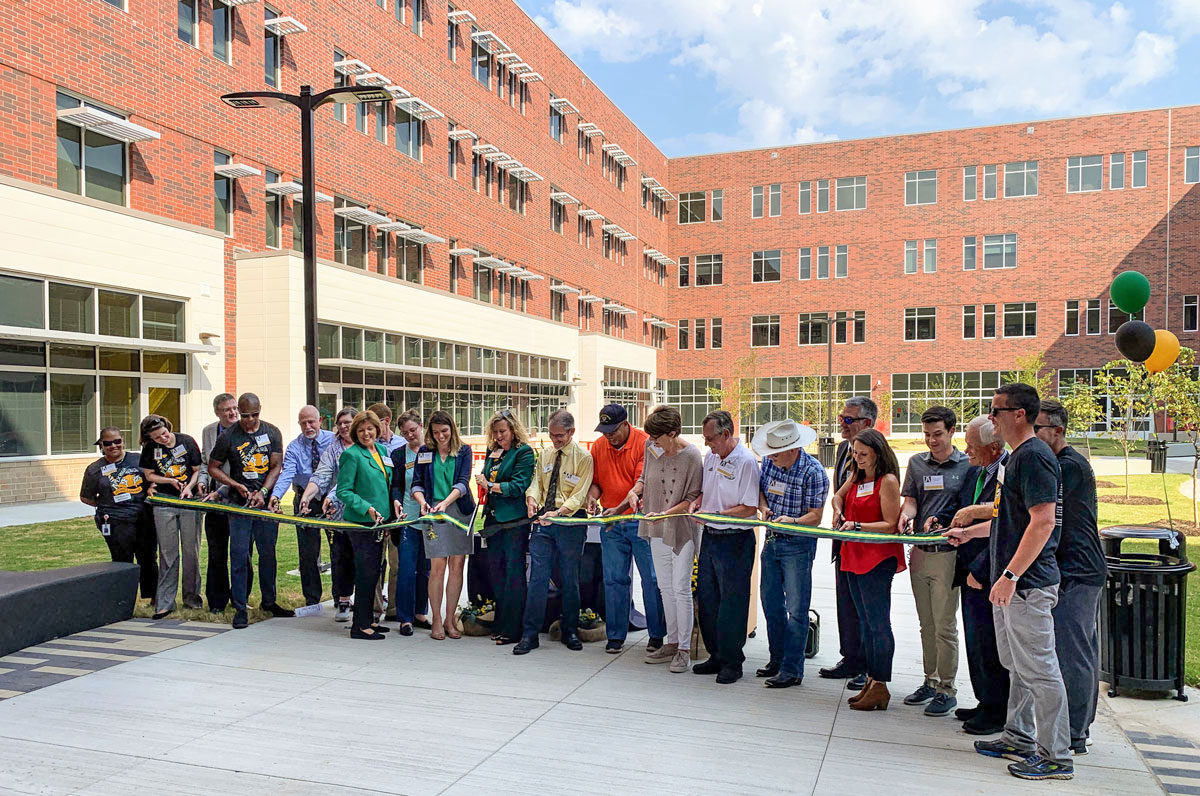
{"x":1166,"y":350}
{"x":1130,"y":291}
{"x":1136,"y":340}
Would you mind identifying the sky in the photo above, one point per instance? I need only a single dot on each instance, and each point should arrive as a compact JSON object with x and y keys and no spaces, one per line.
{"x":716,"y":75}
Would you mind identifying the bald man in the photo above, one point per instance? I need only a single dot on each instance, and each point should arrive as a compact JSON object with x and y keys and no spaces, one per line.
{"x":300,"y":460}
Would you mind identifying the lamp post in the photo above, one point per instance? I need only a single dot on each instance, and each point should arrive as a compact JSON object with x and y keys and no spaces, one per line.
{"x":308,"y":102}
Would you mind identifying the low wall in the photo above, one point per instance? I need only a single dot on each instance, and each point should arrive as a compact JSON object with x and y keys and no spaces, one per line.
{"x":41,"y":480}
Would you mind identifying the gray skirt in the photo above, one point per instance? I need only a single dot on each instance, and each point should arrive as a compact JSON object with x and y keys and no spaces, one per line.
{"x":443,"y":539}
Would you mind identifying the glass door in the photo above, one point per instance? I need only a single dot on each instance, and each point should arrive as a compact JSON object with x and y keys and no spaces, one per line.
{"x":165,"y":397}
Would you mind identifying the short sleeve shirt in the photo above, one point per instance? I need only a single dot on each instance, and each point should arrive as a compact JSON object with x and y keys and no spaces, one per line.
{"x":118,"y":489}
{"x":729,"y":482}
{"x":797,"y":490}
{"x":933,"y":484}
{"x":248,"y":455}
{"x":1080,"y":554}
{"x":1030,"y":477}
{"x":178,"y":462}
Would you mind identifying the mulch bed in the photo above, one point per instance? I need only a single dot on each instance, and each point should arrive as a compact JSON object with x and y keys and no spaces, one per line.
{"x":1106,"y":485}
{"x":1132,"y":500}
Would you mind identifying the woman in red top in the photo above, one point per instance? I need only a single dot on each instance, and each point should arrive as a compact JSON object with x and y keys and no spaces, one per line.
{"x":870,"y":501}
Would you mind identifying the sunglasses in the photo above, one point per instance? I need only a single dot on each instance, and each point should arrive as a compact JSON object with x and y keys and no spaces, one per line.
{"x":109,"y":443}
{"x":1037,"y":427}
{"x":248,"y":414}
{"x":847,"y":420}
{"x":506,"y":414}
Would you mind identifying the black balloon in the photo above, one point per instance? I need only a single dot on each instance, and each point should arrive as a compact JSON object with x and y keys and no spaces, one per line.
{"x":1136,"y":340}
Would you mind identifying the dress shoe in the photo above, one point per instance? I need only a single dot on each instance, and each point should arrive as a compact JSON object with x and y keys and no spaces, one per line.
{"x":875,"y":698}
{"x":983,"y":724}
{"x":365,"y":636}
{"x":406,"y":629}
{"x":770,"y":670}
{"x":710,"y":666}
{"x":839,"y":671}
{"x":391,"y":618}
{"x":274,"y":609}
{"x":423,"y":624}
{"x":963,"y":714}
{"x":729,"y":674}
{"x":781,"y":681}
{"x":862,"y":693}
{"x":381,"y":628}
{"x":571,"y":641}
{"x":857,"y":683}
{"x":526,"y":645}
{"x":240,"y":620}
{"x":162,"y":615}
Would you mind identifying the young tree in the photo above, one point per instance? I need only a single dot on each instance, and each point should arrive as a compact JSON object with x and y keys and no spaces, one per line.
{"x":1084,"y":410}
{"x":1127,"y":385}
{"x":738,"y":398}
{"x":1178,"y":389}
{"x":1031,"y":369}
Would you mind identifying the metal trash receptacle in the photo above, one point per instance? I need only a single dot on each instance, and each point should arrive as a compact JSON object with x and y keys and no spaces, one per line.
{"x":1143,"y":611}
{"x":1157,"y":453}
{"x":827,"y":452}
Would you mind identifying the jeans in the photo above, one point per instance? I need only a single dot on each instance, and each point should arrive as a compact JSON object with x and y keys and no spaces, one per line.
{"x":341,"y":565}
{"x":242,"y":532}
{"x":785,"y":587}
{"x":591,"y":578}
{"x":216,"y":588}
{"x":1077,"y":644}
{"x":989,"y":678}
{"x":849,"y":625}
{"x":872,"y":594}
{"x":410,"y":554}
{"x":674,"y":573}
{"x":723,"y":593}
{"x":368,"y":556}
{"x":178,"y":542}
{"x":621,"y":544}
{"x":308,"y":545}
{"x":506,"y":558}
{"x":546,"y":544}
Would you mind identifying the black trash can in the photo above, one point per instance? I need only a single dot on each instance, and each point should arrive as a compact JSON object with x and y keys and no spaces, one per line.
{"x":1157,"y":453}
{"x":827,"y":453}
{"x":1143,"y":612}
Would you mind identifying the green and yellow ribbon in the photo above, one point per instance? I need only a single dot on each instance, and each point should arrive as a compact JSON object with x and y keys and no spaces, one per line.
{"x":298,"y":519}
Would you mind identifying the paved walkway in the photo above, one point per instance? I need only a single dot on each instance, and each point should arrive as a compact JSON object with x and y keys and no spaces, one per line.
{"x":293,"y":706}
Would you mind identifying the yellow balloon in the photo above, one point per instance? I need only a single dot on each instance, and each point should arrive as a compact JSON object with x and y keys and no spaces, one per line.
{"x":1166,"y":351}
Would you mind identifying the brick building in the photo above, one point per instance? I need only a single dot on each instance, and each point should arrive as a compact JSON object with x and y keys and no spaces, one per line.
{"x":501,"y":234}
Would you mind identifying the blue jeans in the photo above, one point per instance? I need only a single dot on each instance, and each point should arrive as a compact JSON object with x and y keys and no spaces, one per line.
{"x":872,"y":595}
{"x":621,"y":544}
{"x":785,"y":585}
{"x":409,"y":546}
{"x":546,"y":544}
{"x":243,"y":531}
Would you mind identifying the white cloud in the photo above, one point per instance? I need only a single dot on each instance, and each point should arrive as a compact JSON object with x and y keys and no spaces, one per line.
{"x":1183,"y":16}
{"x":796,"y":69}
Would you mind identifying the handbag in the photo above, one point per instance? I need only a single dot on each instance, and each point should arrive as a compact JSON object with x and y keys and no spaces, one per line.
{"x":813,"y":645}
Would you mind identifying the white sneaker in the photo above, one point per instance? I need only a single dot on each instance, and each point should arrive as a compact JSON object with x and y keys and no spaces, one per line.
{"x":343,"y":613}
{"x":681,"y":662}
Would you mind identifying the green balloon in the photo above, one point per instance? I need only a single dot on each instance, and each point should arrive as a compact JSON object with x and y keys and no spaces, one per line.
{"x":1130,"y":291}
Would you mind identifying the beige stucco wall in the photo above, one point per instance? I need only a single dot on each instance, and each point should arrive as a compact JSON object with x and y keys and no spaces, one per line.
{"x":596,"y":352}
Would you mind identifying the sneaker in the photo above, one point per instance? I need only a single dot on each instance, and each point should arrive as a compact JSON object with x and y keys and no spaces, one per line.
{"x":343,"y":613}
{"x":922,"y":695}
{"x":277,"y":610}
{"x":614,"y":646}
{"x":941,"y":705}
{"x":240,"y":620}
{"x":1002,"y":748}
{"x":1079,"y":749}
{"x":856,"y":683}
{"x":1038,"y":767}
{"x":680,"y":661}
{"x":663,"y":654}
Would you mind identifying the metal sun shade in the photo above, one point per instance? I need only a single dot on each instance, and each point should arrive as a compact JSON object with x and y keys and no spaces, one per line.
{"x":108,"y":124}
{"x":351,"y":66}
{"x":361,"y":215}
{"x":236,"y":170}
{"x":284,"y":26}
{"x":564,"y":198}
{"x":374,"y":79}
{"x":460,"y":134}
{"x":460,"y":16}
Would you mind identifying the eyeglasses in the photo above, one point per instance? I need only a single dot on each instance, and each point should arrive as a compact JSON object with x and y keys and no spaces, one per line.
{"x":847,"y":420}
{"x":995,"y":410}
{"x":506,"y":414}
{"x":245,"y":415}
{"x":109,"y":443}
{"x":1037,"y":427}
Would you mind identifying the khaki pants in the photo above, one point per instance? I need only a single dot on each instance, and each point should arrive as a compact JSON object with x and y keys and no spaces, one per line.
{"x":932,"y":576}
{"x":393,"y":559}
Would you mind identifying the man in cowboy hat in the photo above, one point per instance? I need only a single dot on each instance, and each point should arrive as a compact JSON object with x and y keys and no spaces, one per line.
{"x":793,"y":487}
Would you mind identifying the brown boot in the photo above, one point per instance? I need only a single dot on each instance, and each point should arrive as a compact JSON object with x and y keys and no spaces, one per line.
{"x":876,"y":698}
{"x":861,"y":693}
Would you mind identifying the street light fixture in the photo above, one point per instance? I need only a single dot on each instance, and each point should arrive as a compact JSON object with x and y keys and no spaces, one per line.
{"x":307,"y":102}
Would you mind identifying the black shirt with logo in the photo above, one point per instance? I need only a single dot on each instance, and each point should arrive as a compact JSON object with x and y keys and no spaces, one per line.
{"x":117,"y":488}
{"x":248,"y":454}
{"x":1030,"y":477}
{"x":1080,"y":554}
{"x":177,"y":462}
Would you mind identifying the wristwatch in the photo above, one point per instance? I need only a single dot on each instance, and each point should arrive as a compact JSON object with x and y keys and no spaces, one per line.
{"x":858,"y":526}
{"x":1008,"y":573}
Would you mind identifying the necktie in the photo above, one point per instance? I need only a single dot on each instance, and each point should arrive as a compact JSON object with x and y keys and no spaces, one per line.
{"x":316,"y":455}
{"x":552,"y":487}
{"x":847,"y":466}
{"x":979,"y":485}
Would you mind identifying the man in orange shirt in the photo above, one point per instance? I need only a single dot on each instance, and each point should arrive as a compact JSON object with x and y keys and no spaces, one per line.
{"x":617,"y":458}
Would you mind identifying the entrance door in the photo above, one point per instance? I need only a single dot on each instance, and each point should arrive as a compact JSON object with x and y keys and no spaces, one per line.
{"x":165,"y":397}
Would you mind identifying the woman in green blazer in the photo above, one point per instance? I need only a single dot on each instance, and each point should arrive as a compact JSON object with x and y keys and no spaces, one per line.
{"x":364,"y":486}
{"x":507,"y":473}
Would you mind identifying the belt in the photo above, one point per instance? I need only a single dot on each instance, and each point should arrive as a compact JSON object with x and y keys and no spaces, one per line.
{"x":723,"y":531}
{"x":935,"y":548}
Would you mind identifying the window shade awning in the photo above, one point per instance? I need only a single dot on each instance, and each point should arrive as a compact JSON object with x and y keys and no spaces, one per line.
{"x":563,"y":106}
{"x":398,"y":92}
{"x":284,"y":26}
{"x":464,"y":253}
{"x":489,"y":262}
{"x":419,"y":108}
{"x":419,"y":236}
{"x":361,"y":215}
{"x":563,"y":198}
{"x":589,"y":299}
{"x":350,"y":66}
{"x":236,"y":171}
{"x":459,"y":16}
{"x":490,"y":41}
{"x":374,"y":79}
{"x":520,"y":68}
{"x":591,"y":215}
{"x":108,"y":124}
{"x":78,"y":338}
{"x":526,"y":174}
{"x":460,"y":134}
{"x":495,"y":155}
{"x":509,"y":57}
{"x":529,"y":77}
{"x":566,"y":290}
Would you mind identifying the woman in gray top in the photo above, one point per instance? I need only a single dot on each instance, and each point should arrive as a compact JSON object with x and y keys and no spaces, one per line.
{"x":323,"y":485}
{"x":671,"y":479}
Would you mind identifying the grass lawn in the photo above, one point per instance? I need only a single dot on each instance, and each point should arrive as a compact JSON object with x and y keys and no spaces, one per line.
{"x":1100,"y":447}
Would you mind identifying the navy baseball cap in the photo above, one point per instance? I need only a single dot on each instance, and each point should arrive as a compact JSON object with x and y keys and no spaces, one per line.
{"x":611,"y":416}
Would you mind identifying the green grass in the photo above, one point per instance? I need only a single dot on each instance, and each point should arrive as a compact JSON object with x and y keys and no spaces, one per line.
{"x":1100,"y":447}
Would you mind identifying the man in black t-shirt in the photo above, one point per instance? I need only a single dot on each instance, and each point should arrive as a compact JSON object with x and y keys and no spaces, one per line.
{"x":254,"y":450}
{"x":1024,"y":592}
{"x":1083,"y":571}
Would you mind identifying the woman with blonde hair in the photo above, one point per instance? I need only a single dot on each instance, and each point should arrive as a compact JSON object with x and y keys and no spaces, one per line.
{"x":507,"y":473}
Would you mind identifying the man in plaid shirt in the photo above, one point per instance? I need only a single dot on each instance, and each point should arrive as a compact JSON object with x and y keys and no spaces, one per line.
{"x":793,"y":488}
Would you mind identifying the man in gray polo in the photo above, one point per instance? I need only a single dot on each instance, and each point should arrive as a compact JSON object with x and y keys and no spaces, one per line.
{"x":930,"y":485}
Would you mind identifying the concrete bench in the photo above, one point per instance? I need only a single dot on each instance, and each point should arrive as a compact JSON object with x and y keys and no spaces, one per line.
{"x":43,"y":605}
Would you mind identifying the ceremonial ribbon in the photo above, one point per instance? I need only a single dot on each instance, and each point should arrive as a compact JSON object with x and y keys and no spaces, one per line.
{"x":714,"y":519}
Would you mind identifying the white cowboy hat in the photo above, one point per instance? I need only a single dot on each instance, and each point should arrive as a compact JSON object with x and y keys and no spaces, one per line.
{"x":780,"y":436}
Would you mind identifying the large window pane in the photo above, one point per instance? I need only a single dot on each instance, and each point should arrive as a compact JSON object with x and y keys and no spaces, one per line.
{"x":73,"y":356}
{"x":13,"y":352}
{"x":105,"y":172}
{"x":157,"y":362}
{"x":72,"y":308}
{"x":22,"y":414}
{"x":72,"y":413}
{"x":118,"y":314}
{"x":119,"y":404}
{"x":162,"y":319}
{"x":21,"y":302}
{"x":327,"y":341}
{"x":70,"y":157}
{"x":119,"y":359}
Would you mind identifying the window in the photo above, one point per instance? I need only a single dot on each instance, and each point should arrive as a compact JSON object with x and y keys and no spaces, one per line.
{"x":1072,"y":318}
{"x":1191,"y":313}
{"x":1084,"y":173}
{"x":691,"y":207}
{"x":813,"y":328}
{"x":297,"y":225}
{"x":222,"y":196}
{"x":1137,"y":175}
{"x":920,"y":187}
{"x":756,"y":201}
{"x":714,"y":340}
{"x":481,"y":283}
{"x":557,"y":213}
{"x":340,"y":80}
{"x":1191,"y":164}
{"x":1093,"y":316}
{"x":930,"y":260}
{"x":839,"y":327}
{"x":1020,"y":319}
{"x":764,"y":331}
{"x":349,"y":237}
{"x":970,"y":180}
{"x":516,"y":197}
{"x":1117,"y":316}
{"x":417,"y":13}
{"x":851,"y":193}
{"x":775,"y":194}
{"x":841,"y":262}
{"x":270,"y":51}
{"x":701,"y":329}
{"x":21,"y":302}
{"x":187,"y":21}
{"x":709,"y":269}
{"x":222,"y":31}
{"x":684,"y":271}
{"x":969,"y":247}
{"x":381,"y":121}
{"x":805,"y":197}
{"x":451,"y":37}
{"x":407,"y":135}
{"x":920,"y":323}
{"x":806,"y":263}
{"x":822,"y":262}
{"x":910,"y":256}
{"x":822,"y":196}
{"x":556,"y":122}
{"x":684,"y":334}
{"x":860,"y":326}
{"x":481,"y":60}
{"x":410,"y":261}
{"x":1116,"y":171}
{"x":454,"y":267}
{"x":1000,"y":251}
{"x":989,"y":321}
{"x":693,"y":398}
{"x":72,"y":307}
{"x":89,"y":163}
{"x":718,"y":204}
{"x":969,"y":394}
{"x":969,"y":322}
{"x":989,"y":182}
{"x":765,"y":266}
{"x":1021,"y":178}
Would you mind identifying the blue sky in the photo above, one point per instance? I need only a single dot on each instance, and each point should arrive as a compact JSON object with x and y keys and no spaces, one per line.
{"x":713,"y":75}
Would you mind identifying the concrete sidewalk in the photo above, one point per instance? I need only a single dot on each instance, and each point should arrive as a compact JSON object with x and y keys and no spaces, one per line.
{"x":294,"y":706}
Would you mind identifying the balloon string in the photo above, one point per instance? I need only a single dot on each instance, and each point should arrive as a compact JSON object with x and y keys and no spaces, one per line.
{"x":1166,"y":495}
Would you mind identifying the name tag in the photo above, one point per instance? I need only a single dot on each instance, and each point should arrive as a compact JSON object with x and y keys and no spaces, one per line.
{"x":548,"y":467}
{"x":724,"y":469}
{"x":121,"y":498}
{"x":496,"y":454}
{"x":262,"y":439}
{"x":776,"y":488}
{"x":656,"y":450}
{"x":1000,"y":474}
{"x":864,"y":490}
{"x":178,"y":450}
{"x":158,"y":453}
{"x":108,"y":469}
{"x":250,"y":475}
{"x":571,"y":479}
{"x":425,"y":458}
{"x":934,"y":483}
{"x":409,"y":465}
